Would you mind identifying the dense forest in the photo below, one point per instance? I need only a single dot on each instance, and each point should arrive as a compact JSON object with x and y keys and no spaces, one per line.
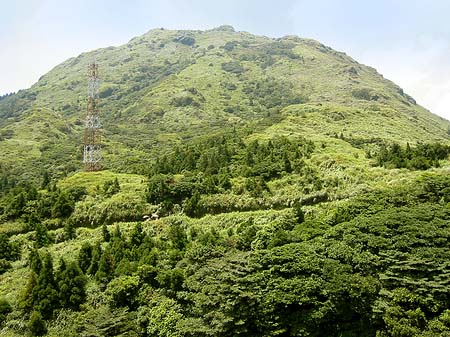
{"x":375,"y":264}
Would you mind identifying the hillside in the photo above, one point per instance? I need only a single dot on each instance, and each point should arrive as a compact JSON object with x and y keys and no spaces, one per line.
{"x":168,"y":87}
{"x":252,"y":187}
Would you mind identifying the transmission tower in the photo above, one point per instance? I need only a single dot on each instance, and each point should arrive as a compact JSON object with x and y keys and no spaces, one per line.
{"x":92,"y":156}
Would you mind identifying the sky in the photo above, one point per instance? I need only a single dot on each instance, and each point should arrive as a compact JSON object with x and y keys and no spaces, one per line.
{"x":408,"y":41}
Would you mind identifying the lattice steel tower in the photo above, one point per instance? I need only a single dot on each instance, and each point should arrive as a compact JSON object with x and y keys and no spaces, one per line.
{"x":92,"y":156}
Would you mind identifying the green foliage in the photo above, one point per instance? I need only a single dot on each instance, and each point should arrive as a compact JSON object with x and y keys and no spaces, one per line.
{"x":5,"y":309}
{"x":35,"y":261}
{"x":5,"y":265}
{"x":105,"y":233}
{"x":63,"y":206}
{"x":111,"y":187}
{"x":209,"y":166}
{"x":230,"y":45}
{"x":85,"y":256}
{"x":298,"y":213}
{"x":233,"y":67}
{"x":107,"y":321}
{"x":27,"y":300}
{"x":137,"y":236}
{"x":273,"y":94}
{"x":94,"y":212}
{"x":42,"y":238}
{"x":8,"y":250}
{"x":71,"y":285}
{"x":122,"y":291}
{"x":45,"y":292}
{"x":69,"y":230}
{"x":192,"y":206}
{"x":377,"y":267}
{"x":45,"y":180}
{"x":365,"y":94}
{"x":163,"y":316}
{"x":421,"y":157}
{"x":105,"y":271}
{"x":96,"y":255}
{"x":183,"y":101}
{"x":403,"y":316}
{"x":37,"y":325}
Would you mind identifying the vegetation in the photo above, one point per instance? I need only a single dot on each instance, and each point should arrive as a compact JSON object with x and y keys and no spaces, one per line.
{"x":167,"y":88}
{"x":422,"y":157}
{"x":255,"y":187}
{"x":372,"y":265}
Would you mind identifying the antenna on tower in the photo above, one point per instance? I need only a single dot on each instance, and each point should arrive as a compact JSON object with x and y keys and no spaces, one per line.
{"x":92,"y":156}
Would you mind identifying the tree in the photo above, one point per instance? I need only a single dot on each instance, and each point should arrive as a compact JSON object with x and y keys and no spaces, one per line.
{"x":163,"y":316}
{"x":26,"y":300}
{"x":16,"y":205}
{"x":96,"y":255}
{"x":69,"y":230}
{"x":45,"y":294}
{"x":85,"y":256}
{"x":45,"y":180}
{"x":287,"y":163}
{"x":137,"y":236}
{"x":158,"y":189}
{"x":403,"y":316}
{"x":4,"y":266}
{"x":192,"y":206}
{"x":42,"y":238}
{"x":177,"y":235}
{"x":122,"y":291}
{"x":111,"y":187}
{"x":298,"y":212}
{"x":4,"y":247}
{"x":117,"y":234}
{"x":63,"y":206}
{"x":71,"y":285}
{"x":5,"y":309}
{"x":8,"y":251}
{"x":105,"y":233}
{"x":35,"y":261}
{"x":36,"y":324}
{"x":105,"y":270}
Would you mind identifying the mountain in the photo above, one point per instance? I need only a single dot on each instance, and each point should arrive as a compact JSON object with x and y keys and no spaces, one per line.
{"x":168,"y":87}
{"x":251,"y":187}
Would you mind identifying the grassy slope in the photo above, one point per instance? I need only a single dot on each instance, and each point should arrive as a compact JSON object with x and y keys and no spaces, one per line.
{"x":141,"y":78}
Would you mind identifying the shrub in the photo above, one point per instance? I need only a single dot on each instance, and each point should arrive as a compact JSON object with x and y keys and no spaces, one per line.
{"x":36,"y":324}
{"x":4,"y":266}
{"x":5,"y":309}
{"x":363,"y":93}
{"x":186,"y":40}
{"x":233,"y":67}
{"x":183,"y":101}
{"x":106,"y":92}
{"x":123,"y":290}
{"x":229,"y":46}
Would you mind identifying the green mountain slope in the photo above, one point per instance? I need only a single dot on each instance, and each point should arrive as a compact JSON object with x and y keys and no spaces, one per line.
{"x":167,"y":87}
